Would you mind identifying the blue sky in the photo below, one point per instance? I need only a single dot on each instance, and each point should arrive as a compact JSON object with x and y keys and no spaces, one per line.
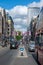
{"x":8,"y":4}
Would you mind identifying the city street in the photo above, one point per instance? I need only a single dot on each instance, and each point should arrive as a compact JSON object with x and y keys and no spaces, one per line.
{"x":13,"y":57}
{"x":21,"y":32}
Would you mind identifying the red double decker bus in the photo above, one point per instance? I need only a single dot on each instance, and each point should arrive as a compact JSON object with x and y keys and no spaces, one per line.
{"x":39,"y":37}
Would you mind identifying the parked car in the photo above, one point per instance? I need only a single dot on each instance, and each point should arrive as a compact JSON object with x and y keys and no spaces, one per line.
{"x":13,"y":43}
{"x":31,"y":46}
{"x":18,"y":43}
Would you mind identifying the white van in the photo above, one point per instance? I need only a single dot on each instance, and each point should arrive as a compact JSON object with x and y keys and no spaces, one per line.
{"x":31,"y":46}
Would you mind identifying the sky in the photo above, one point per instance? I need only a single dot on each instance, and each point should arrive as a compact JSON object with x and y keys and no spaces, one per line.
{"x":8,"y":4}
{"x":18,"y":11}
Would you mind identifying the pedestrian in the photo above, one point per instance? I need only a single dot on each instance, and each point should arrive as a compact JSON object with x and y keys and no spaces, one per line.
{"x":5,"y":40}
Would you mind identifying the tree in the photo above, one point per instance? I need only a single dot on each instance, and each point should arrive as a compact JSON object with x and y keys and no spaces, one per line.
{"x":19,"y":36}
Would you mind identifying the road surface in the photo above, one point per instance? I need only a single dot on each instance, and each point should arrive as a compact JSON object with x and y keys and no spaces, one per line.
{"x":13,"y":57}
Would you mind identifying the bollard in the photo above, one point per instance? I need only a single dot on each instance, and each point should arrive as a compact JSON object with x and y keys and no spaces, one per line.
{"x":22,"y":50}
{"x":21,"y":53}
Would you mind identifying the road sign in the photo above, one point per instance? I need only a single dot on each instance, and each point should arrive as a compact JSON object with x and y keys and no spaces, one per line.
{"x":21,"y":49}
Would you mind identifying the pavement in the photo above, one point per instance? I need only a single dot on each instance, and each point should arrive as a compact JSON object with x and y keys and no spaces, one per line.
{"x":3,"y":50}
{"x":13,"y":57}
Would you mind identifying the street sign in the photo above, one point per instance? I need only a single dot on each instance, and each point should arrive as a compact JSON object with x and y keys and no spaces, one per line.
{"x":21,"y":49}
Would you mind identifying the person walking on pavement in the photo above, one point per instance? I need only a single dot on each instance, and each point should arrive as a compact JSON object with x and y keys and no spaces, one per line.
{"x":4,"y":40}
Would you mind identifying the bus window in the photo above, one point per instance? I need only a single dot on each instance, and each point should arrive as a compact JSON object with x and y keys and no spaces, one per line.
{"x":40,"y":40}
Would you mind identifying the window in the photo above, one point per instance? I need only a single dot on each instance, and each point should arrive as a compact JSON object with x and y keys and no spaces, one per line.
{"x":8,"y":29}
{"x":41,"y":40}
{"x":8,"y":32}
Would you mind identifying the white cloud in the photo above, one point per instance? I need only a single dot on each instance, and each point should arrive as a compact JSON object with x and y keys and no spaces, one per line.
{"x":19,"y":14}
{"x":20,"y":21}
{"x":7,"y":11}
{"x":22,"y":29}
{"x":18,"y":10}
{"x":25,"y":21}
{"x":36,"y":4}
{"x":17,"y":20}
{"x":18,"y":26}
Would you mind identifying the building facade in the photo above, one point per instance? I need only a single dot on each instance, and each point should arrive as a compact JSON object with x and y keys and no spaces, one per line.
{"x":32,"y":11}
{"x":32,"y":14}
{"x":39,"y":24}
{"x":0,"y":24}
{"x":10,"y":26}
{"x":39,"y":37}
